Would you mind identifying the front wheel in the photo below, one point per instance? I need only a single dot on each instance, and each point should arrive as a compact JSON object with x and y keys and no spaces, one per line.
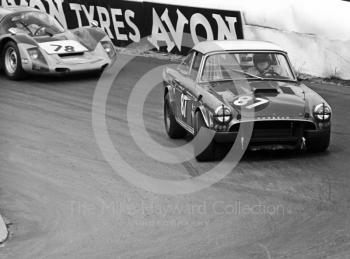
{"x":202,"y":154}
{"x":173,"y":129}
{"x":320,"y":144}
{"x":11,"y":60}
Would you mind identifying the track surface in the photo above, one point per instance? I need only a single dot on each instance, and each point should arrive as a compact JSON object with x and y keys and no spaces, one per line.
{"x":63,"y":200}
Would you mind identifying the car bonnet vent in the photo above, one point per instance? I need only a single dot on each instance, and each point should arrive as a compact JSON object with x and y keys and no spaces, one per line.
{"x":265,"y":90}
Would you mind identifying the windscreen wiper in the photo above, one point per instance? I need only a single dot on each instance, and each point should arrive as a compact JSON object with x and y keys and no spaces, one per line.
{"x":247,"y":74}
{"x":25,"y":26}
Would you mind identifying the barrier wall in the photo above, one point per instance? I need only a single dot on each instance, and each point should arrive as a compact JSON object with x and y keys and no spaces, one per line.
{"x":315,"y":33}
{"x":129,"y":21}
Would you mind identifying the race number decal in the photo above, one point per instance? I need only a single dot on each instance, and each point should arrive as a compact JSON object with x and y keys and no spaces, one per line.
{"x":184,"y":101}
{"x":246,"y":101}
{"x":62,"y":47}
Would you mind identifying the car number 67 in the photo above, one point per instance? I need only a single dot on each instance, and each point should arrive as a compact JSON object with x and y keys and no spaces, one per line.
{"x":244,"y":101}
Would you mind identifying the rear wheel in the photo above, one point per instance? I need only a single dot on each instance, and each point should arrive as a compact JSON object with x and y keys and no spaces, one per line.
{"x":318,"y":145}
{"x":173,"y":129}
{"x":208,"y":153}
{"x":11,"y":60}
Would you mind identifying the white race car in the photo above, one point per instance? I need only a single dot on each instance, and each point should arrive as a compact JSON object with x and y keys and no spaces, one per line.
{"x":32,"y":41}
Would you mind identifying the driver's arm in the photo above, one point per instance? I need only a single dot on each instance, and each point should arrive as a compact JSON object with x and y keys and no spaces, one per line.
{"x":276,"y":69}
{"x":33,"y":27}
{"x":253,"y":71}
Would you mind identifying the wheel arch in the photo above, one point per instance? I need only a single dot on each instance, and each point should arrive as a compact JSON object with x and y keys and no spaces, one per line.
{"x":3,"y":42}
{"x":168,"y":90}
{"x":204,"y":114}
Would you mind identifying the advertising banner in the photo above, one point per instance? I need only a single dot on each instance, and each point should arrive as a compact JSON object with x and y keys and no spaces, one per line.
{"x":128,"y":21}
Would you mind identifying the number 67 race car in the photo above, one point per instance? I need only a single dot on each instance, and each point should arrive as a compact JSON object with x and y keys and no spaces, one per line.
{"x":219,"y":80}
{"x":32,"y":41}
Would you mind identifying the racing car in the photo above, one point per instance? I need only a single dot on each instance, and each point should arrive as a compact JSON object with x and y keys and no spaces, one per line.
{"x":32,"y":41}
{"x":219,"y":81}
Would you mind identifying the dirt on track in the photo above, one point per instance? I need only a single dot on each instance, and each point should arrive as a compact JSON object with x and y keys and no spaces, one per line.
{"x":63,"y":200}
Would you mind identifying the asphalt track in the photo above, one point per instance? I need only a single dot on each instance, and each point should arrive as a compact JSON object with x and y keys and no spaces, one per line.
{"x":63,"y":200}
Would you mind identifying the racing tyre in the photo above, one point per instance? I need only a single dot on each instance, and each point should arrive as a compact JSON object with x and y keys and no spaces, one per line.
{"x":318,"y":145}
{"x":208,"y":154}
{"x":173,"y":129}
{"x":11,"y":61}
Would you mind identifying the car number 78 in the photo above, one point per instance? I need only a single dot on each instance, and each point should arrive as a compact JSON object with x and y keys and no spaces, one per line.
{"x":67,"y":48}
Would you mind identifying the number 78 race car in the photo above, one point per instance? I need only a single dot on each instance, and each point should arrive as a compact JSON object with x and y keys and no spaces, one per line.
{"x":219,"y":80}
{"x":32,"y":41}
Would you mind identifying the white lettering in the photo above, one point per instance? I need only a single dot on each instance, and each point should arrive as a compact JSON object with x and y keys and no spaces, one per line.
{"x":178,"y":33}
{"x":56,"y":10}
{"x":89,"y":13}
{"x":159,"y":33}
{"x":105,"y":21}
{"x":223,"y":31}
{"x":136,"y":37}
{"x":37,"y":4}
{"x":199,"y":19}
{"x":118,"y":24}
{"x":77,"y":9}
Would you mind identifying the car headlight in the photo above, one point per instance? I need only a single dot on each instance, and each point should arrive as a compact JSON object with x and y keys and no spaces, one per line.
{"x":109,"y":48}
{"x":223,"y":114}
{"x":322,"y":112}
{"x":38,"y":61}
{"x":33,"y":53}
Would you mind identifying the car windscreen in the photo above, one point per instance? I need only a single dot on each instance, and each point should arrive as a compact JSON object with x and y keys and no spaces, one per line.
{"x":1,"y":16}
{"x":246,"y":65}
{"x":33,"y":23}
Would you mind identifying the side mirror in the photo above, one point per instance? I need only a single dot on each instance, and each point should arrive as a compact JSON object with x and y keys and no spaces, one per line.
{"x":13,"y":31}
{"x":299,"y":77}
{"x":49,"y":31}
{"x":185,"y":72}
{"x":182,"y":70}
{"x":94,"y":23}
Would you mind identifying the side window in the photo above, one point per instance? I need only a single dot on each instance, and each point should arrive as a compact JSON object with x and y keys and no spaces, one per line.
{"x":6,"y":24}
{"x":185,"y":66}
{"x":196,"y":64}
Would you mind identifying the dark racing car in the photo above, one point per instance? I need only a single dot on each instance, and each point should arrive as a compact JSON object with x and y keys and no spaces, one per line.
{"x":32,"y":41}
{"x":219,"y":80}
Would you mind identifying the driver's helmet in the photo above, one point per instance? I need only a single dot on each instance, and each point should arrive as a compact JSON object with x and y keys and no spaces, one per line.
{"x":262,"y":58}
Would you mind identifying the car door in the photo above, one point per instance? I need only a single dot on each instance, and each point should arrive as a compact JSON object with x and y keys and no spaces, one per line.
{"x":190,"y":83}
{"x":183,"y":84}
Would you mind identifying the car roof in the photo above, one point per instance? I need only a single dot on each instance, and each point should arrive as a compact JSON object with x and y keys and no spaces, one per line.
{"x":206,"y":47}
{"x":16,"y":9}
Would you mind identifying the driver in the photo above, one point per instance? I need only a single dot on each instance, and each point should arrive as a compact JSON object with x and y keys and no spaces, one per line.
{"x":27,"y":23}
{"x":263,"y":65}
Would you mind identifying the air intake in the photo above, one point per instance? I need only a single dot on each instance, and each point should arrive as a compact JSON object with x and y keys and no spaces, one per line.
{"x":71,"y":54}
{"x":267,"y":90}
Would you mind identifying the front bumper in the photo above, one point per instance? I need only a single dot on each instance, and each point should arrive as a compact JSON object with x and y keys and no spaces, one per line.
{"x":315,"y":135}
{"x":67,"y":66}
{"x":75,"y":63}
{"x":230,"y":137}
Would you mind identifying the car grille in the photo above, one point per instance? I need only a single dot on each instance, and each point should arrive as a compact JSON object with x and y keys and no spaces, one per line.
{"x":71,"y":54}
{"x":277,"y":129}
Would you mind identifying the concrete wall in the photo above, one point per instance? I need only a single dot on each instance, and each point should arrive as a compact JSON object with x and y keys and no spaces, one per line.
{"x":315,"y":33}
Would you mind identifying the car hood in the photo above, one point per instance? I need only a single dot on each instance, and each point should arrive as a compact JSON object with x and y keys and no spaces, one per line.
{"x":272,"y":99}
